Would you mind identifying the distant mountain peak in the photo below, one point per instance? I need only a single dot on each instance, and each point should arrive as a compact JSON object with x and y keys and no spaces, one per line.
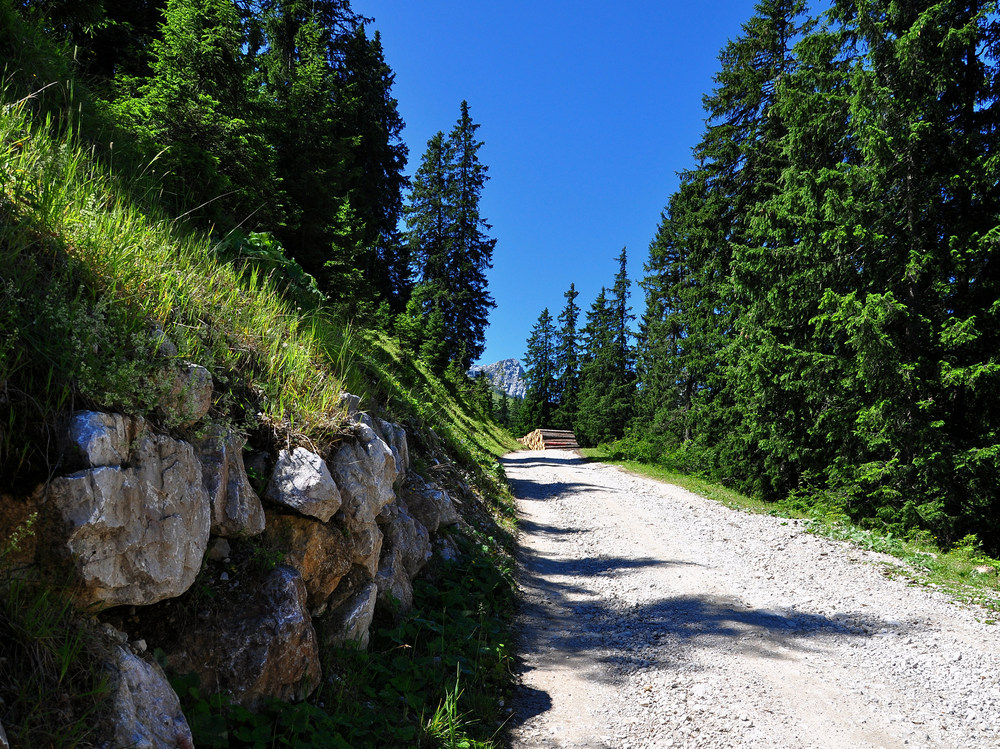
{"x":507,"y":376}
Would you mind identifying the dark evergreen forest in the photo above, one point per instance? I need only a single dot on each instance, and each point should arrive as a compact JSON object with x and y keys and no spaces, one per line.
{"x":822,"y":293}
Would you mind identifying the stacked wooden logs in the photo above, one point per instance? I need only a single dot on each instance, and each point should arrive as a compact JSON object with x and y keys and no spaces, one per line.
{"x":549,"y":439}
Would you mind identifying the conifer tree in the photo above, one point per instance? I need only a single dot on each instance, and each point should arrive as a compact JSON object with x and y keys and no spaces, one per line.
{"x":198,"y":106}
{"x":702,"y":265}
{"x":429,"y":214}
{"x":540,"y":375}
{"x":503,"y":411}
{"x":607,"y":374}
{"x":447,"y":237}
{"x":472,"y":250}
{"x":311,"y":147}
{"x":369,"y":118}
{"x":434,"y":348}
{"x":482,"y":394}
{"x":669,"y":334}
{"x":567,"y":360}
{"x":918,"y":331}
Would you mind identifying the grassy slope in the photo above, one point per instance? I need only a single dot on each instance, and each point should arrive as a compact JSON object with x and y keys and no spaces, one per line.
{"x":964,"y":571}
{"x":92,"y":280}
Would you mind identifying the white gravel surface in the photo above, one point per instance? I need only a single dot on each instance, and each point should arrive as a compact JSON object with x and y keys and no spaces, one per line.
{"x":652,"y":617}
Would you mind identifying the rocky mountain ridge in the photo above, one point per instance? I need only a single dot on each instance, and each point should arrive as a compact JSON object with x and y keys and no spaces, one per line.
{"x":506,"y":375}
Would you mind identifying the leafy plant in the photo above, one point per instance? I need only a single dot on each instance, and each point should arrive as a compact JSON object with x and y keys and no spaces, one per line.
{"x":54,"y":686}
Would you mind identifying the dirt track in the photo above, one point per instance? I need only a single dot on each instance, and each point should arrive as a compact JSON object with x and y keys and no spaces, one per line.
{"x":654,"y":618}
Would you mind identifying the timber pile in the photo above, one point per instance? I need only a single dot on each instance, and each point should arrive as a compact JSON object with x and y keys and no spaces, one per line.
{"x":549,"y":439}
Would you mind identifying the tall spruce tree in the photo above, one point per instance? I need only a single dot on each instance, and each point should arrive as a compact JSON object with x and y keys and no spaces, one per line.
{"x":540,"y":375}
{"x":567,"y":387}
{"x":472,"y":249}
{"x":374,"y":179}
{"x":310,"y":148}
{"x":917,"y":321}
{"x":428,"y":237}
{"x":607,"y":374}
{"x":834,"y":237}
{"x":667,"y":365}
{"x":447,"y":238}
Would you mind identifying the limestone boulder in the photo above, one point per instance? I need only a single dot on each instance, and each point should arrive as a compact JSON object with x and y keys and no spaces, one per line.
{"x":446,"y":548}
{"x":395,"y":589}
{"x":145,"y":710}
{"x":351,"y":621}
{"x":322,"y":554}
{"x":92,"y":439}
{"x":134,"y":533}
{"x":365,"y":542}
{"x":406,"y":549}
{"x":395,"y":437}
{"x":188,"y":396}
{"x":429,"y":504}
{"x":365,"y":472}
{"x":236,"y":508}
{"x":350,"y":403}
{"x":409,"y":538}
{"x":259,"y":644}
{"x":302,"y":482}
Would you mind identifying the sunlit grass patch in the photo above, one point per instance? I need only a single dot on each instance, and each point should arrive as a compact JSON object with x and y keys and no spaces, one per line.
{"x":91,"y":285}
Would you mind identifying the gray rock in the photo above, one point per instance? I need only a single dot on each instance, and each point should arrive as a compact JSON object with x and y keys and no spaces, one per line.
{"x":93,"y":439}
{"x":236,"y":508}
{"x":395,"y":589}
{"x":4,"y":744}
{"x":365,"y":472}
{"x":134,"y":535}
{"x":351,"y":621}
{"x":366,"y":543}
{"x":446,"y":548}
{"x":406,"y":549}
{"x":164,"y":346}
{"x":408,"y":536}
{"x":429,"y":504}
{"x":218,"y":551}
{"x":395,"y":437}
{"x":301,"y":481}
{"x":145,"y":709}
{"x":350,"y":403}
{"x":260,"y":643}
{"x":321,"y":552}
{"x":189,"y":395}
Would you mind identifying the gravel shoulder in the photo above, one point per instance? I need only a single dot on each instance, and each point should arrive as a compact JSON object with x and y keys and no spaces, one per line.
{"x":652,"y":617}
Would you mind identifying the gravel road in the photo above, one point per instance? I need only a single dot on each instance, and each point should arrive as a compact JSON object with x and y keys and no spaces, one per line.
{"x":654,"y":618}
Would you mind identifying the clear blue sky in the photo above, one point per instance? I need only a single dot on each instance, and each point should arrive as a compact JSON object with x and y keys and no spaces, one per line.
{"x":587,"y":111}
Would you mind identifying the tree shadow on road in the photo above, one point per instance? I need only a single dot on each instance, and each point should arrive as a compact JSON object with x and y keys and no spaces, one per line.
{"x":538,"y":490}
{"x":531,"y":527}
{"x":549,"y":458}
{"x":569,"y":623}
